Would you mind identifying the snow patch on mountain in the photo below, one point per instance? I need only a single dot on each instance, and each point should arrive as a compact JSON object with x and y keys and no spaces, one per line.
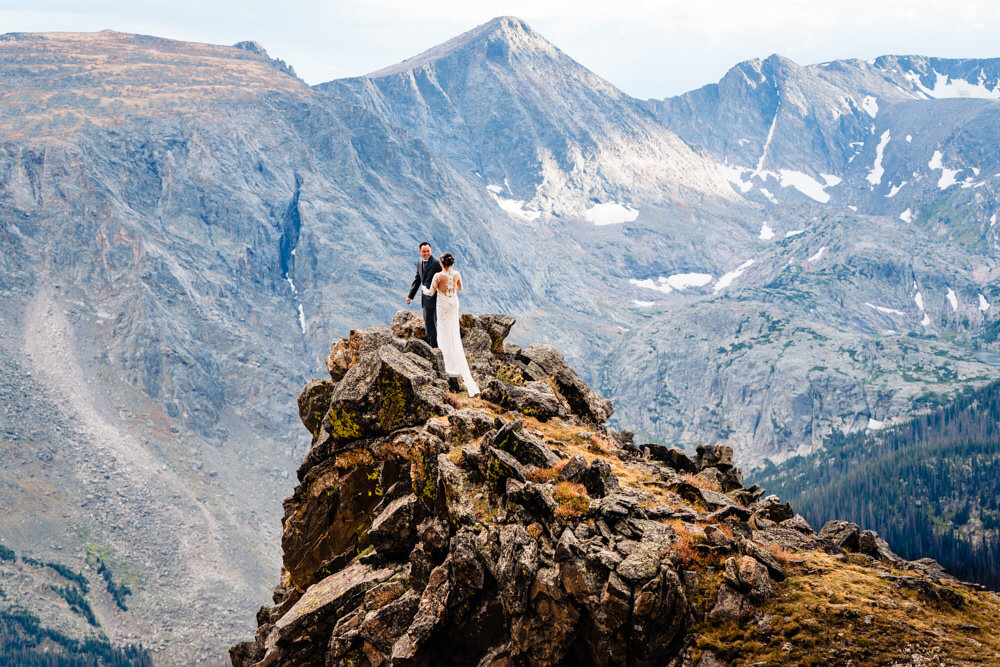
{"x":953,"y":299}
{"x":894,"y":189}
{"x":817,"y":256}
{"x":767,"y":142}
{"x":514,"y":207}
{"x":611,"y":213}
{"x":883,"y":309}
{"x":766,"y":233}
{"x":875,"y":175}
{"x":804,"y":183}
{"x":945,"y":87}
{"x":676,"y":281}
{"x":680,"y":281}
{"x":794,"y":232}
{"x":870,"y":105}
{"x":648,"y":283}
{"x":906,"y":216}
{"x":735,"y":176}
{"x":984,"y":305}
{"x":727,"y":278}
{"x":947,"y":175}
{"x":742,"y":178}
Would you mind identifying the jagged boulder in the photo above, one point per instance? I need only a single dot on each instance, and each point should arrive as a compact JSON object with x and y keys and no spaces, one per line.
{"x":745,"y":586}
{"x":715,"y":456}
{"x":599,"y":479}
{"x":326,"y":519}
{"x":534,"y":400}
{"x":314,"y":403}
{"x":497,"y":327}
{"x":869,"y":543}
{"x":674,"y":458}
{"x":526,"y":448}
{"x":406,"y":324}
{"x":500,"y":467}
{"x":843,"y":534}
{"x":545,"y":361}
{"x":385,"y":390}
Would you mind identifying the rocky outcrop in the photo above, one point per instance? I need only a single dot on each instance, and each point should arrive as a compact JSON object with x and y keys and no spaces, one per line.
{"x":429,"y":528}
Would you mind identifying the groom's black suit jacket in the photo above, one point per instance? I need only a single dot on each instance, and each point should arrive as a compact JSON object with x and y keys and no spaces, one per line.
{"x":425,"y":274}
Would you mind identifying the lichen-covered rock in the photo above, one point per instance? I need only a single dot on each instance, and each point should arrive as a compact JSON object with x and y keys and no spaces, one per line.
{"x":773,"y":510}
{"x":326,"y":518}
{"x":523,"y":446}
{"x":844,"y":534}
{"x":715,"y":456}
{"x":674,"y":458}
{"x":545,"y":361}
{"x":384,"y":391}
{"x":406,"y":324}
{"x":392,"y":532}
{"x":573,"y":469}
{"x":870,"y":544}
{"x":316,"y":612}
{"x":534,"y":400}
{"x":468,"y":424}
{"x":314,"y":402}
{"x":599,"y":479}
{"x":497,"y":326}
{"x":500,"y":467}
{"x":797,"y":523}
{"x":745,"y":586}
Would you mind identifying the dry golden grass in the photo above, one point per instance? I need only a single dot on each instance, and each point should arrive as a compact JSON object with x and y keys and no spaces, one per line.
{"x":572,"y":499}
{"x":543,"y":475}
{"x":581,"y":440}
{"x":819,"y":616}
{"x":783,"y":555}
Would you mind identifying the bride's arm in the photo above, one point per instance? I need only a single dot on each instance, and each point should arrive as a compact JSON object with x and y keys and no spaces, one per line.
{"x":458,"y":282}
{"x":433,"y":288}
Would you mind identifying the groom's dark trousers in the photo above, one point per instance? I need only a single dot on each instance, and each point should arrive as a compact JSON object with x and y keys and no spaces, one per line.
{"x":425,"y":274}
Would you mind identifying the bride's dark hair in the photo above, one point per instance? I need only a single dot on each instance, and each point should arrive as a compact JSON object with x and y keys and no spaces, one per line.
{"x":447,"y":259}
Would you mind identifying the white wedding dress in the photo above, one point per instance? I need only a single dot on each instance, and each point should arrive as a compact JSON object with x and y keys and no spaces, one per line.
{"x":448,"y":334}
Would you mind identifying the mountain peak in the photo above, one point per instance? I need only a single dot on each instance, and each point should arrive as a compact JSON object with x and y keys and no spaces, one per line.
{"x":498,"y":37}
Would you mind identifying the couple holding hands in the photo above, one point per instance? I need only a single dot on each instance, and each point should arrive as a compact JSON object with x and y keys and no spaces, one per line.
{"x":439,"y":284}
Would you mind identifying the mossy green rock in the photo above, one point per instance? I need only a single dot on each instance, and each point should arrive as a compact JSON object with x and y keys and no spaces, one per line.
{"x":386,"y":390}
{"x":501,"y":466}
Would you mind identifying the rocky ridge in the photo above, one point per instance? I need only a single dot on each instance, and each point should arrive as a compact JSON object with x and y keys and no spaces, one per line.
{"x":517,"y":529}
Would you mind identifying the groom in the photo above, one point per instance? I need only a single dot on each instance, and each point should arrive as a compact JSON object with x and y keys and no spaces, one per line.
{"x":426,"y":268}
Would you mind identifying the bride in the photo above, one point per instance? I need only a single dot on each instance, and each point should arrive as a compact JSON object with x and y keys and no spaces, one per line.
{"x":447,"y":284}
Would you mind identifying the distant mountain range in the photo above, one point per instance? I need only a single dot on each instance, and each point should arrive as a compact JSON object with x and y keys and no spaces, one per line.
{"x":790,"y":251}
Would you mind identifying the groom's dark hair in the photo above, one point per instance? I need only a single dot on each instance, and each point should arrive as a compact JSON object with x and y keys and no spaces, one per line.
{"x":425,"y":243}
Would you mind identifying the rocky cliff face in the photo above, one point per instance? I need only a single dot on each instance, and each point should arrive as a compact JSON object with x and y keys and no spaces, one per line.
{"x":539,"y":131}
{"x":516,"y":529}
{"x":183,"y":227}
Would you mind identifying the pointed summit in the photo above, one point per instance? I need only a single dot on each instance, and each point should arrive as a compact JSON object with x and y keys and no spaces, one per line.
{"x":493,"y":40}
{"x":535,"y":128}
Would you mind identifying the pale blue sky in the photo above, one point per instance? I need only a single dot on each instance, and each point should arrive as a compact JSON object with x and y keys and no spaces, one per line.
{"x":646,"y":48}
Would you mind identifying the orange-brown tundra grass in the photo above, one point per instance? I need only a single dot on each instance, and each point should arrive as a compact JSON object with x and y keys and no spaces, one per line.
{"x":835,"y":612}
{"x":818,"y":615}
